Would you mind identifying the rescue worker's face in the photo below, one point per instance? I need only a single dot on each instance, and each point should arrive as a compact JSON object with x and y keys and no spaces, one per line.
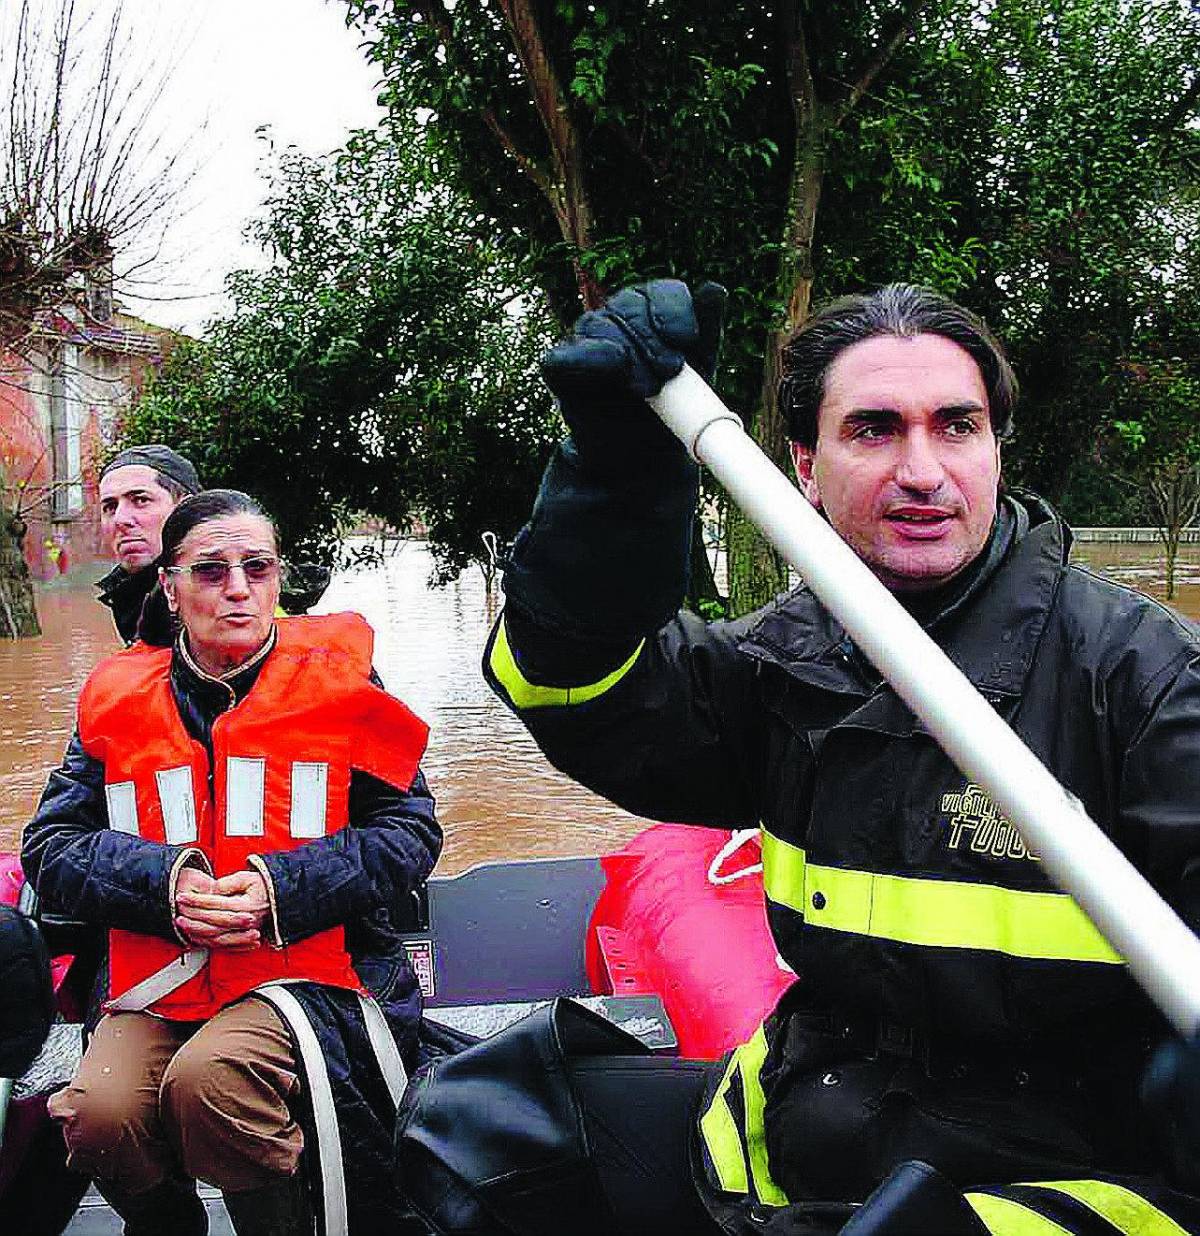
{"x":133,"y":508}
{"x":224,"y":585}
{"x":906,"y":465}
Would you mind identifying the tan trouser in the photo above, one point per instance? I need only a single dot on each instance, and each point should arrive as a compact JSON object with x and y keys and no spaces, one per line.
{"x":154,"y":1098}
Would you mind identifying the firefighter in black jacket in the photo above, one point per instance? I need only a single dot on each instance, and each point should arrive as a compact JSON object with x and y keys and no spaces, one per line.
{"x":953,"y":1006}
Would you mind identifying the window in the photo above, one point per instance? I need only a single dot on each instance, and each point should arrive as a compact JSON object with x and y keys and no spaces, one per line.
{"x":67,"y":492}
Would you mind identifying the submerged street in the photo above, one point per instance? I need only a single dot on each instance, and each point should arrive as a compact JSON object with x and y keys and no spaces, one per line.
{"x":497,"y":797}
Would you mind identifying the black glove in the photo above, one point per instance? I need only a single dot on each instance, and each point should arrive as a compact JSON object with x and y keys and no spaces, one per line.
{"x":625,"y":352}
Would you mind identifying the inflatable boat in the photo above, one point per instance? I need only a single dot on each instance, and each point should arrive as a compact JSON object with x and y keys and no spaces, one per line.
{"x":666,"y":937}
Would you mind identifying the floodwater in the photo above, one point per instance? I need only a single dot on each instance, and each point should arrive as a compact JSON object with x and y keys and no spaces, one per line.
{"x":497,"y":797}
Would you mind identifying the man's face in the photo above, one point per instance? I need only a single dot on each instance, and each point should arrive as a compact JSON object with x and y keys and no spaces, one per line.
{"x":906,"y":465}
{"x":133,"y":507}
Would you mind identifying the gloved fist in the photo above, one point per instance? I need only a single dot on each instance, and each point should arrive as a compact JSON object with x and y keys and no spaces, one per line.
{"x":625,"y":352}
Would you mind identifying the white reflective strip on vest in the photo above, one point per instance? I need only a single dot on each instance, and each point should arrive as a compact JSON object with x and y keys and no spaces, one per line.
{"x":161,"y":983}
{"x":310,"y":788}
{"x":384,"y":1047}
{"x":178,"y":804}
{"x":320,"y":1092}
{"x":122,"y":807}
{"x":244,"y":789}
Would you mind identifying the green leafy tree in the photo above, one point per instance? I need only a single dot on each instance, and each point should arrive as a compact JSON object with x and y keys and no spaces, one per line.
{"x":1036,"y":159}
{"x":1160,"y":444}
{"x":622,"y":141}
{"x":381,"y":365}
{"x":1032,"y":158}
{"x":1025,"y":156}
{"x":1153,"y":448}
{"x":1075,"y":150}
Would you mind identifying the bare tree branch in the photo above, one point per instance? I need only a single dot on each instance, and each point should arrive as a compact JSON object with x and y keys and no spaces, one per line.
{"x":434,"y":12}
{"x":83,"y":178}
{"x":903,"y":29}
{"x":567,"y":192}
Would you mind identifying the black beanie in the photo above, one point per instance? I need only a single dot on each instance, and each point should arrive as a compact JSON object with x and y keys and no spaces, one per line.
{"x":162,"y":459}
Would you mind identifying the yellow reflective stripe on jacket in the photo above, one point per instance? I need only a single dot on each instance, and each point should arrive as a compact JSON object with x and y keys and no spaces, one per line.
{"x":784,"y":866}
{"x":1004,"y":1217}
{"x":750,"y":1057}
{"x":1126,"y":1210}
{"x":526,"y":694}
{"x":720,"y":1133}
{"x":935,"y":913}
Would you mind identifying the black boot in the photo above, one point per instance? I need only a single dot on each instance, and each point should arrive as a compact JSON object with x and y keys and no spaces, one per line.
{"x":277,"y":1209}
{"x":172,"y":1206}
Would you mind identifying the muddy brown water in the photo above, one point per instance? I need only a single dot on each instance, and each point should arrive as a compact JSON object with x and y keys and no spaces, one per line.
{"x":497,"y":797}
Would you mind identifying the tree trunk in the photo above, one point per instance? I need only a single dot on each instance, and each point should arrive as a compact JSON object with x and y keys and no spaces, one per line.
{"x":18,"y":613}
{"x":1167,"y":492}
{"x":756,"y":571}
{"x":1172,"y":555}
{"x":703,"y":596}
{"x":565,"y":187}
{"x":1174,"y":528}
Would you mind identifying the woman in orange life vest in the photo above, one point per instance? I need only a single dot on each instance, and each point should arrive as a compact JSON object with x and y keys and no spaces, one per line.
{"x":244,"y":813}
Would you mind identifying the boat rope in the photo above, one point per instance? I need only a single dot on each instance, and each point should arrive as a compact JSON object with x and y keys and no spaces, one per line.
{"x":738,"y":838}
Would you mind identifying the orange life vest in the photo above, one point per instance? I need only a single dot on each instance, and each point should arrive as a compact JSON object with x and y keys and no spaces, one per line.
{"x":280,"y":776}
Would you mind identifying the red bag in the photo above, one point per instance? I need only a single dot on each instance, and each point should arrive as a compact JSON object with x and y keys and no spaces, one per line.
{"x":12,"y":878}
{"x":661,"y":926}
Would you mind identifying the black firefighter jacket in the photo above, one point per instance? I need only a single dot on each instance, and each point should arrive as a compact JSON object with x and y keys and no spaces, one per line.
{"x":952,"y":1004}
{"x":126,"y":594}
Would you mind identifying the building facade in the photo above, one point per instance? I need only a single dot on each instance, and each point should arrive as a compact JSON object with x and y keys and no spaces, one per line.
{"x":61,"y":402}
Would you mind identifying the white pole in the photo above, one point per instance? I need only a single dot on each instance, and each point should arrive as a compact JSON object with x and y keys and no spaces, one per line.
{"x":6,"y":1089}
{"x":1162,"y":953}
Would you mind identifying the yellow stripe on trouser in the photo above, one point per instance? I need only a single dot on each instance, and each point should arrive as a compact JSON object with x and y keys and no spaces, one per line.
{"x":750,"y":1061}
{"x":934,"y":913}
{"x":1004,"y":1217}
{"x":722,"y":1137}
{"x":720,"y":1133}
{"x":1127,"y":1211}
{"x":526,"y":694}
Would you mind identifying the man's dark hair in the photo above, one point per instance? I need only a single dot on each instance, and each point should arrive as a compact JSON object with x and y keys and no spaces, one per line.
{"x":199,"y":509}
{"x":172,"y":486}
{"x":900,"y":309}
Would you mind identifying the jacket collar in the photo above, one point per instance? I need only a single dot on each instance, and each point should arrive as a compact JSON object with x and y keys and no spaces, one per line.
{"x":125,"y":593}
{"x":992,"y":636}
{"x":109,"y":583}
{"x":201,"y":697}
{"x":240,"y":679}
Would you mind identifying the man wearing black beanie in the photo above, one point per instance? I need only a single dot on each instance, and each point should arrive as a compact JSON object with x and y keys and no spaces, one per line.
{"x":139,"y":488}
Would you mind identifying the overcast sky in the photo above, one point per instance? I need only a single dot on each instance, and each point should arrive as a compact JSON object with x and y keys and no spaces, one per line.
{"x":238,"y":65}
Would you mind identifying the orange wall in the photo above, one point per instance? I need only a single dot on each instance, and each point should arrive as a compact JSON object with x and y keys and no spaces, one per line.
{"x":27,"y":462}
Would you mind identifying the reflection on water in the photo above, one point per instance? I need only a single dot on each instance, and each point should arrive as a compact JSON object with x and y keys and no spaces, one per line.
{"x":1142,"y":567}
{"x":497,"y":797}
